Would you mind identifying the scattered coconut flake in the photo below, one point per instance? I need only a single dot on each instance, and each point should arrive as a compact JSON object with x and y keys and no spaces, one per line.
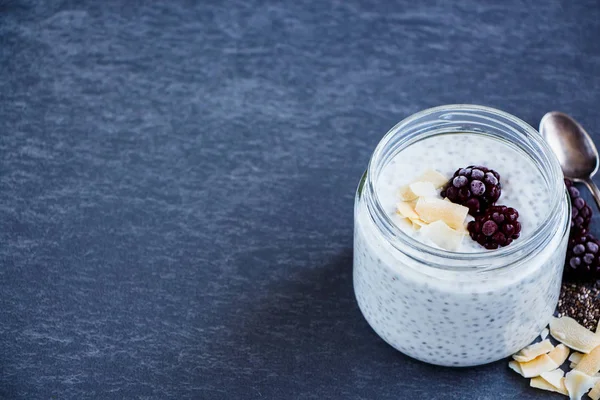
{"x":406,"y":210}
{"x":515,"y":367}
{"x":423,"y":189}
{"x":575,"y":357}
{"x":545,"y":368}
{"x":442,"y":235}
{"x":534,"y":350}
{"x":594,"y":394}
{"x":432,"y":209}
{"x":540,"y":383}
{"x":590,"y":363}
{"x":578,"y":384}
{"x":566,"y":330}
{"x":538,"y":365}
{"x":559,"y":354}
{"x":435,"y":177}
{"x":554,"y":377}
{"x":544,"y":333}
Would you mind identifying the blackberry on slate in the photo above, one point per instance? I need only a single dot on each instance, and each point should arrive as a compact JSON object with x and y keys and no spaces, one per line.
{"x":581,"y":212}
{"x":475,"y":187}
{"x":583,"y":258}
{"x":497,"y":227}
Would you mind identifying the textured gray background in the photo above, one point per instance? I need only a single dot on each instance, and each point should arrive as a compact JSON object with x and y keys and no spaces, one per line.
{"x":177,"y":179}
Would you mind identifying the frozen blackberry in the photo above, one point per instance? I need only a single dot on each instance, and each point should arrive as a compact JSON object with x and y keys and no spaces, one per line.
{"x":475,"y":187}
{"x":581,"y":212}
{"x":583,"y":258}
{"x":497,"y":227}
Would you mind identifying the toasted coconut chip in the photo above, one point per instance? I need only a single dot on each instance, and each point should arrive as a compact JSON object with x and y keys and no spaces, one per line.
{"x":406,"y":210}
{"x":442,"y":235}
{"x":578,"y":384}
{"x":406,"y":194}
{"x":515,"y":367}
{"x":595,"y":392}
{"x":540,"y":383}
{"x":575,"y":357}
{"x":431,"y":175}
{"x":566,"y":330}
{"x":559,"y":354}
{"x":432,"y":209}
{"x":538,"y":365}
{"x":590,"y":363}
{"x":534,"y":350}
{"x":423,"y":189}
{"x":555,"y":378}
{"x":417,"y":223}
{"x":544,"y":333}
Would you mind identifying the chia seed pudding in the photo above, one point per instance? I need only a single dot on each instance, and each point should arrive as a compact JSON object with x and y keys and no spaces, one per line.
{"x":471,"y":306}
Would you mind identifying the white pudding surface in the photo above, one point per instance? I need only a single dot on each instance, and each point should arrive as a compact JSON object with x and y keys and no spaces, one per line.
{"x":523,"y":186}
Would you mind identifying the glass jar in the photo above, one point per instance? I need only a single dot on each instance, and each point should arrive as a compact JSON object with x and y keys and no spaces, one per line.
{"x":452,"y":308}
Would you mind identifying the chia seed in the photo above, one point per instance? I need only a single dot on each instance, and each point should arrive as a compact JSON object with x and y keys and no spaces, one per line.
{"x":580,"y":301}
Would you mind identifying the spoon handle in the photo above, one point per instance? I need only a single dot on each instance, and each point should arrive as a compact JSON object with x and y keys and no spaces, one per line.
{"x":594,"y":189}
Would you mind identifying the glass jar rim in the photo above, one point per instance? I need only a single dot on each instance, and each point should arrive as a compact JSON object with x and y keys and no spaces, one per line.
{"x":396,"y":235}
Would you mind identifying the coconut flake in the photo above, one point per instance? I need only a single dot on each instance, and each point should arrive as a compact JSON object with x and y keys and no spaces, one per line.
{"x":405,"y":194}
{"x":417,"y":224}
{"x":406,"y":210}
{"x":538,"y":365}
{"x":594,"y":394}
{"x":578,"y":384}
{"x":515,"y":367}
{"x":575,"y":357}
{"x":423,"y":189}
{"x":554,"y":377}
{"x":432,"y":209}
{"x":442,"y":235}
{"x":430,"y":176}
{"x":566,"y":330}
{"x":534,"y":350}
{"x":435,"y":177}
{"x":559,"y":354}
{"x":590,"y":363}
{"x":540,"y":383}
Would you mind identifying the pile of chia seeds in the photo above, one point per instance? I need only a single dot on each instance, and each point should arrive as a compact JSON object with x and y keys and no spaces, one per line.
{"x":580,"y":301}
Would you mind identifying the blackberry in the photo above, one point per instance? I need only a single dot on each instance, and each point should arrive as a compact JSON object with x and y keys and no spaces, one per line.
{"x":475,"y":187}
{"x":583,"y":258}
{"x":581,"y":212}
{"x":497,"y":227}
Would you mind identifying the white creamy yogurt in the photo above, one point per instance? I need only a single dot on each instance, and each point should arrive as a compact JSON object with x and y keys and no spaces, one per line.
{"x":459,"y":317}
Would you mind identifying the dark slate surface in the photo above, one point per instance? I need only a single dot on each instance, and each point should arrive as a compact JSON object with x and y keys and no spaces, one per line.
{"x":177,"y":180}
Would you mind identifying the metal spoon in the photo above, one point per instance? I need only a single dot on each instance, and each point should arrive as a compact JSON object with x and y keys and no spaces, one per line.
{"x":573,"y":147}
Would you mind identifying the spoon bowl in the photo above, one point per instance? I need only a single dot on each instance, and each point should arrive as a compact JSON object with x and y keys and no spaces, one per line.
{"x":573,"y":147}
